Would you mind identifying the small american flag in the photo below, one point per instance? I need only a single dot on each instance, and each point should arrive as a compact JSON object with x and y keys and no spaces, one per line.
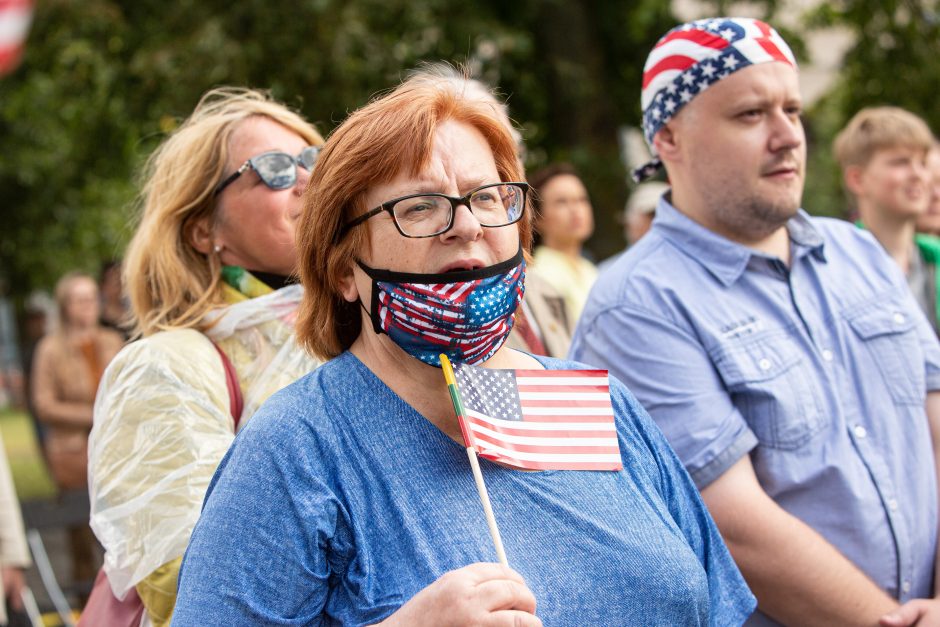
{"x":540,"y":419}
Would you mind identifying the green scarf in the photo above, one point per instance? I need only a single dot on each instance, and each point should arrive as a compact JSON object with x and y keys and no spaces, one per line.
{"x":241,"y":285}
{"x":929,"y":247}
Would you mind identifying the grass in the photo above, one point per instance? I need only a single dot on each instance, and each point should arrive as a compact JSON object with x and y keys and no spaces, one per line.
{"x":30,"y":476}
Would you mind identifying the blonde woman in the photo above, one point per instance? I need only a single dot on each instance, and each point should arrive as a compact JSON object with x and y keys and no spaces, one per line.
{"x":208,"y":276}
{"x":66,"y":370}
{"x":67,"y":367}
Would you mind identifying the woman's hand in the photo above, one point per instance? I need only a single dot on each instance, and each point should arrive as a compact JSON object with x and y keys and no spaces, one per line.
{"x":479,"y":594}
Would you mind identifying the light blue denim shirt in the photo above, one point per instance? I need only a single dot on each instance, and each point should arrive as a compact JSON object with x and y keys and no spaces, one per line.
{"x":819,"y":371}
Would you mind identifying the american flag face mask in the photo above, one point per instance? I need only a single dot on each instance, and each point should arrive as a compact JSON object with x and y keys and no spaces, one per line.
{"x":466,"y":315}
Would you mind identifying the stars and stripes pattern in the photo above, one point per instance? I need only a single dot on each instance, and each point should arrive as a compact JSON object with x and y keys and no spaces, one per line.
{"x":540,"y":419}
{"x":15,"y":17}
{"x":466,"y":320}
{"x":691,"y":58}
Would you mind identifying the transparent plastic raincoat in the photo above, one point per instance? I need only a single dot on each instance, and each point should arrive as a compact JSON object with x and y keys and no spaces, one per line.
{"x":162,"y":423}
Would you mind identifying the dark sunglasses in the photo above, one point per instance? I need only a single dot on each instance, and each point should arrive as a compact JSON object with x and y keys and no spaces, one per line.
{"x":276,"y":169}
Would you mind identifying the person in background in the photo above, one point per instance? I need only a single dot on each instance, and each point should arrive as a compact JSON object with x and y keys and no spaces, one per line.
{"x":14,"y":552}
{"x":883,"y":155}
{"x":638,"y":216}
{"x":929,"y":221}
{"x":209,"y":275}
{"x":782,"y":355}
{"x":11,"y":377}
{"x":542,"y":326}
{"x":641,"y":209}
{"x":348,"y":499}
{"x":564,"y":220}
{"x":66,"y":370}
{"x":113,"y":303}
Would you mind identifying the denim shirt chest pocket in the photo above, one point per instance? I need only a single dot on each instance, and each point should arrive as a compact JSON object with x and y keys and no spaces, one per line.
{"x":772,"y":387}
{"x":888,"y":330}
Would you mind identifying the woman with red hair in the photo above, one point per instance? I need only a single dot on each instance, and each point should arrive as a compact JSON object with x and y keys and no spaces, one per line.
{"x":348,"y":498}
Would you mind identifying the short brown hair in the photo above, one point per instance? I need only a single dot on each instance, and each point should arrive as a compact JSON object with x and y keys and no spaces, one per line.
{"x":875,"y":128}
{"x":390,"y":135}
{"x":541,"y":177}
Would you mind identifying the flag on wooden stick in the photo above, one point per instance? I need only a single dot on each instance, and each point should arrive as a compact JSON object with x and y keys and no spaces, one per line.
{"x":474,"y":462}
{"x":540,"y":419}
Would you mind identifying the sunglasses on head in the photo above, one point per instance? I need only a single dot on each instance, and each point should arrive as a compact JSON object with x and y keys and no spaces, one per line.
{"x":276,"y":169}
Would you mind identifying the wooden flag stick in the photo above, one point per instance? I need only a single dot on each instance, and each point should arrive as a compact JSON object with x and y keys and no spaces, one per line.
{"x":474,"y":462}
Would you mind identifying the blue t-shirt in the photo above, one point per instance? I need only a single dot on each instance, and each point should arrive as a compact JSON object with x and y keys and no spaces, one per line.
{"x":339,"y":502}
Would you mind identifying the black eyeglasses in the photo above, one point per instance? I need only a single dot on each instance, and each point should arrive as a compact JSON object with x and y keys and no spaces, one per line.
{"x":276,"y":169}
{"x":427,"y":215}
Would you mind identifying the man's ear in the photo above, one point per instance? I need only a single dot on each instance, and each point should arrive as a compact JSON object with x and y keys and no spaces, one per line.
{"x":200,"y":235}
{"x":666,"y":141}
{"x":853,"y":177}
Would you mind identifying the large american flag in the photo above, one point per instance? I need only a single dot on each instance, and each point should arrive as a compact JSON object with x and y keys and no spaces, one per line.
{"x":15,"y":16}
{"x":540,"y":419}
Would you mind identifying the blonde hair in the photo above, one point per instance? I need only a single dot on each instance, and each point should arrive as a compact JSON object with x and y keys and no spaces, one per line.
{"x":170,"y":284}
{"x":876,"y":128}
{"x":391,"y":135}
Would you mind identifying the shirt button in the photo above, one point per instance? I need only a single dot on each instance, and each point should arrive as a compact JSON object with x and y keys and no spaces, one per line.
{"x":899,"y":318}
{"x":906,"y":586}
{"x":827,"y":354}
{"x":860,"y":431}
{"x":892,"y":505}
{"x":764,"y":364}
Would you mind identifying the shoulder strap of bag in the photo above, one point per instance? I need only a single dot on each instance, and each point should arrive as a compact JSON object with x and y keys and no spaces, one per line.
{"x":235,"y":400}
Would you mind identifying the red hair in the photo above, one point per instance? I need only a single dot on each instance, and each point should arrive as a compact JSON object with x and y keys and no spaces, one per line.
{"x":391,"y":135}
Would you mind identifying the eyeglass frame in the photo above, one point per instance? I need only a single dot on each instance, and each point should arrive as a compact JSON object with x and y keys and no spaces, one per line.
{"x":249,"y":163}
{"x":455,"y":201}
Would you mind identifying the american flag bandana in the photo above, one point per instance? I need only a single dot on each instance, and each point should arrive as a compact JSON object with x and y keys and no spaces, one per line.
{"x":466,"y":315}
{"x":691,"y":58}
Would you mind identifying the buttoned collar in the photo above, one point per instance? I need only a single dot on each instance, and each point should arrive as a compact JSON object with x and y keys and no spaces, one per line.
{"x":723,"y":258}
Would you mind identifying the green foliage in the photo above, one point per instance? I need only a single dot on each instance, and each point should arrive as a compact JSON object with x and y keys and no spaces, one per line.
{"x":68,"y":146}
{"x":103,"y":80}
{"x":896,"y":56}
{"x":895,"y":60}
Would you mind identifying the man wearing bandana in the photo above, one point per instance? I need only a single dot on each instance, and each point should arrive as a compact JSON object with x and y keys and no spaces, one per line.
{"x":782,"y":355}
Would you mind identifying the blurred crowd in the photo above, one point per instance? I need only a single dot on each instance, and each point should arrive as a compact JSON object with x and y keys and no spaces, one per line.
{"x":790,"y":362}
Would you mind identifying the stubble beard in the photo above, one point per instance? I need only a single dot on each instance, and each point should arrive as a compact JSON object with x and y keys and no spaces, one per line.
{"x":751,"y":216}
